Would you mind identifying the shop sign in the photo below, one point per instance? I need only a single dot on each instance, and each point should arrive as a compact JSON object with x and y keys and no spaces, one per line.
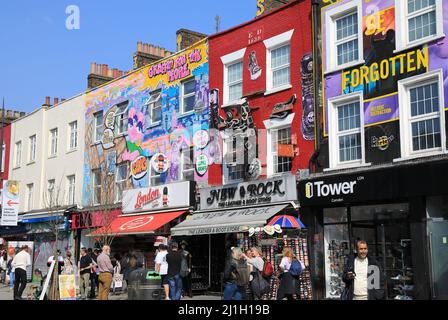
{"x":321,"y":189}
{"x":10,"y":203}
{"x":382,"y":143}
{"x":159,"y":163}
{"x":139,"y":167}
{"x":175,"y":195}
{"x":201,"y":164}
{"x":250,"y":193}
{"x":201,"y":139}
{"x":136,"y":223}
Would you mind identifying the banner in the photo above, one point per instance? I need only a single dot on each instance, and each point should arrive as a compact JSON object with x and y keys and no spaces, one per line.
{"x":67,"y":287}
{"x":10,"y":203}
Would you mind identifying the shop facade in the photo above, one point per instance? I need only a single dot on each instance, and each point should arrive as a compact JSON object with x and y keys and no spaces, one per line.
{"x":402,"y":214}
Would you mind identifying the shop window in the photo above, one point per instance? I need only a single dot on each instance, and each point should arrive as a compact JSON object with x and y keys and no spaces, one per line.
{"x":281,"y":142}
{"x":121,"y":118}
{"x":343,"y":36}
{"x":437,"y":207}
{"x":422,"y":118}
{"x":335,"y":215}
{"x":379,"y":212}
{"x":418,"y":22}
{"x":188,"y":96}
{"x":98,"y":126}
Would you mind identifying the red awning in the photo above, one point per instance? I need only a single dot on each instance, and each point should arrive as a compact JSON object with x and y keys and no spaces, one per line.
{"x":139,"y":224}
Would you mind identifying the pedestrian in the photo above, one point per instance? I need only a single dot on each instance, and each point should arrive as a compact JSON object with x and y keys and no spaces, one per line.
{"x":96,"y":253}
{"x":20,"y":262}
{"x":10,"y":272}
{"x":236,"y":275}
{"x":85,"y":265}
{"x":125,"y":268}
{"x":357,"y":271}
{"x":69,"y":268}
{"x":60,"y":261}
{"x":162,"y":269}
{"x":174,"y":260}
{"x":106,"y":271}
{"x":185,"y":271}
{"x":93,"y":274}
{"x":118,"y":276}
{"x":288,"y":286}
{"x":258,"y":285}
{"x":3,"y":260}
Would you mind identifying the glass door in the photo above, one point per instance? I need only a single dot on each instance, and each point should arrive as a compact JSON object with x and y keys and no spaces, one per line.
{"x":438,"y":248}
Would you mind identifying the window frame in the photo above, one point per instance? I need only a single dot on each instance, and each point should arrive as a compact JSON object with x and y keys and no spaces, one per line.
{"x":96,"y":126}
{"x":53,"y":142}
{"x":330,"y":17}
{"x":229,"y":138}
{"x":32,"y":155}
{"x":228,"y":84}
{"x":73,"y":135}
{"x":30,"y":196}
{"x":404,"y":87}
{"x":95,"y":185}
{"x":117,"y":182}
{"x":121,"y":117}
{"x":228,"y":60}
{"x":402,"y":25}
{"x":18,"y":154}
{"x":333,"y":131}
{"x":271,"y":70}
{"x":184,"y":151}
{"x":273,"y":154}
{"x":71,"y":192}
{"x":154,"y":174}
{"x":183,"y":96}
{"x":151,"y":106}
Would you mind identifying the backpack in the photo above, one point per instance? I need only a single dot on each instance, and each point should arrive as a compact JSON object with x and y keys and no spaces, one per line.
{"x":259,"y":285}
{"x":268,"y":269}
{"x":242,"y":273}
{"x":296,"y":268}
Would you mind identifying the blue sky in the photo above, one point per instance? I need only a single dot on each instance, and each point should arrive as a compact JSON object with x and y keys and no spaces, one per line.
{"x":39,"y":57}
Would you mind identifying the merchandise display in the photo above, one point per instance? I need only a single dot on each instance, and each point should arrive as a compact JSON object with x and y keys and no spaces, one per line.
{"x":403,"y":282}
{"x":336,"y":253}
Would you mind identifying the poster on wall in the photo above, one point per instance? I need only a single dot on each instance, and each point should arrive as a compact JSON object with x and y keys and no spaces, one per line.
{"x":67,"y":287}
{"x":10,"y":203}
{"x":16,"y":246}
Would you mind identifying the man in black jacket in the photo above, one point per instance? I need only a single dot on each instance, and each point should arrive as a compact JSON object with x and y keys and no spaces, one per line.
{"x":362,"y":276}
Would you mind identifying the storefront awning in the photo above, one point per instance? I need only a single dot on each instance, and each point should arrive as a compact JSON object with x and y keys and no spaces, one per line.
{"x":226,"y":221}
{"x":136,"y":224}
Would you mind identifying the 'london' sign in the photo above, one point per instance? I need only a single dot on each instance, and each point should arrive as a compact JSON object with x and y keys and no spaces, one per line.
{"x":270,"y":191}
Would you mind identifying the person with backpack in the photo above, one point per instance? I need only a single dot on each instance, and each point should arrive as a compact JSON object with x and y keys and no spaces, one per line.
{"x":290,"y":269}
{"x":259,"y":286}
{"x":236,"y":275}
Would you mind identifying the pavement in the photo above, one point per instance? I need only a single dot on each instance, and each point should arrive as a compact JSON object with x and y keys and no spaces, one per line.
{"x":7,"y":294}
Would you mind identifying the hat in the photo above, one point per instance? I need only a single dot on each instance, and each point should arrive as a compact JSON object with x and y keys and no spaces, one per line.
{"x":269,"y":230}
{"x":251,"y":231}
{"x":277,"y":228}
{"x":257,"y":229}
{"x":183,"y":242}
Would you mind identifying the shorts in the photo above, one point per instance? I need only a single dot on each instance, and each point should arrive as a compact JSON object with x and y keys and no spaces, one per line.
{"x":164,"y":279}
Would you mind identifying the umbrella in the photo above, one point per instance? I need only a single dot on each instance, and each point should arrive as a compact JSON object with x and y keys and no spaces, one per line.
{"x":286,"y":221}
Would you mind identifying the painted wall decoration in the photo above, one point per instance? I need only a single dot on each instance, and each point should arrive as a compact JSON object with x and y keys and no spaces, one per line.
{"x":181,"y":82}
{"x":260,"y":7}
{"x":306,"y":76}
{"x":377,"y":78}
{"x":254,"y":69}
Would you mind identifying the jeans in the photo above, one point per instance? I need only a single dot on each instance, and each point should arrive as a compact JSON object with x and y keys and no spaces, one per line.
{"x":84,"y":284}
{"x":11,"y":279}
{"x":175,"y":287}
{"x":20,"y":280}
{"x":233,"y":292}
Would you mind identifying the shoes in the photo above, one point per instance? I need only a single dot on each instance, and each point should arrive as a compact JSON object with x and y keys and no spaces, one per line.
{"x":18,"y":298}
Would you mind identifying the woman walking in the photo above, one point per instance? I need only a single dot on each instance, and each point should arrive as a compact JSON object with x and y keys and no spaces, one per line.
{"x":287,"y":287}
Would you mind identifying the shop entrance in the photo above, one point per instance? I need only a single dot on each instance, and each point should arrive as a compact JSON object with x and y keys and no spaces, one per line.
{"x":438,"y":243}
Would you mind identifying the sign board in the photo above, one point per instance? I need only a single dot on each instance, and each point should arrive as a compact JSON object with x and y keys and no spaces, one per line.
{"x":269,"y":191}
{"x":10,"y":203}
{"x":67,"y":287}
{"x":175,"y":195}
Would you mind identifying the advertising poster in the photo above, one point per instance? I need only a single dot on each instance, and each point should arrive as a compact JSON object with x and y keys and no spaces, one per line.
{"x":67,"y":287}
{"x":10,"y":203}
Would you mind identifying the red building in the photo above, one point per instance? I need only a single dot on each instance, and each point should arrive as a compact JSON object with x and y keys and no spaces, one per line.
{"x":261,"y":82}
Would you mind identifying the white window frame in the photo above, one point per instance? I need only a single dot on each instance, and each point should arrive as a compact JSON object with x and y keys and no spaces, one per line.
{"x":271,"y":44}
{"x":404,"y":87}
{"x":18,"y":154}
{"x":330,"y":17}
{"x":183,"y":96}
{"x":228,"y":60}
{"x":53,"y":142}
{"x":97,"y":126}
{"x":118,"y":197}
{"x":94,"y":185}
{"x":333,"y":132}
{"x":73,"y":135}
{"x":29,"y":196}
{"x":189,"y":150}
{"x":32,"y":156}
{"x":226,"y":136}
{"x":156,"y":96}
{"x":402,"y":26}
{"x":121,"y":116}
{"x":274,"y":125}
{"x":153,"y":174}
{"x":3,"y":156}
{"x":71,"y":187}
{"x":228,"y":84}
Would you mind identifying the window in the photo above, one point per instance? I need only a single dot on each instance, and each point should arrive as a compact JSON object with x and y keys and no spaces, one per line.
{"x":280,"y":66}
{"x":121,"y":176}
{"x":420,"y":21}
{"x":98,"y":129}
{"x":346,"y":130}
{"x":187,"y":164}
{"x":235,"y":81}
{"x":73,"y":135}
{"x":280,"y":137}
{"x":18,"y":159}
{"x":121,"y":118}
{"x":54,"y":142}
{"x":32,"y":156}
{"x":155,"y":107}
{"x":154,"y":177}
{"x":3,"y":156}
{"x":71,"y":189}
{"x":343,"y":37}
{"x":29,"y":198}
{"x":421,"y":114}
{"x":96,"y":180}
{"x":51,"y":201}
{"x":233,"y":160}
{"x":50,"y":185}
{"x":188,"y":96}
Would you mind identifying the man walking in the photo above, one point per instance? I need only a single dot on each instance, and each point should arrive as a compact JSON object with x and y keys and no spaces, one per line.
{"x":106,"y":270}
{"x":162,"y":269}
{"x":362,"y":276}
{"x":84,"y":266}
{"x":20,"y":262}
{"x":174,"y":260}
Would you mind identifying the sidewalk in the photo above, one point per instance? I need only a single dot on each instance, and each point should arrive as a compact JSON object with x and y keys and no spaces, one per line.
{"x":7,"y":294}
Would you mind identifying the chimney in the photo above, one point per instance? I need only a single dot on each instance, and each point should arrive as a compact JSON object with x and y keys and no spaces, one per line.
{"x":62,"y":100}
{"x":270,"y":5}
{"x":47,"y":102}
{"x":100,"y":74}
{"x":146,"y":54}
{"x":56,"y":101}
{"x":186,"y":38}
